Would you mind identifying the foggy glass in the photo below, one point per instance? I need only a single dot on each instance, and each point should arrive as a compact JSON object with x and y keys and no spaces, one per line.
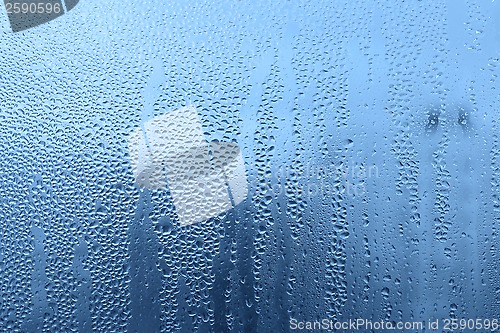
{"x":363,"y":180}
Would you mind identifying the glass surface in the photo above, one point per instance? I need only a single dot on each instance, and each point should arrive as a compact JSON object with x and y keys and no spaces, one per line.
{"x":250,"y":166}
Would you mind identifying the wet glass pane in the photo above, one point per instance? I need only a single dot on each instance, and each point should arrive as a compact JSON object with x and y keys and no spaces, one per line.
{"x":249,"y":166}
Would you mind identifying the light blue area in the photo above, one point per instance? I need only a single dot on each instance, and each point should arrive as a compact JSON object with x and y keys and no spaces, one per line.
{"x":408,"y":87}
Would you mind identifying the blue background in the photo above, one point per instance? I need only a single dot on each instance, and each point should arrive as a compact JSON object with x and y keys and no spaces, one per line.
{"x":409,"y":88}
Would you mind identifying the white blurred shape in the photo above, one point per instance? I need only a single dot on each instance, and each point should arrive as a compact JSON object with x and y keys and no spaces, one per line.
{"x":202,"y":178}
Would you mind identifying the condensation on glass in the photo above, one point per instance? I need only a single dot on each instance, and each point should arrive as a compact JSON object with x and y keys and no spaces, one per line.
{"x":362,"y":180}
